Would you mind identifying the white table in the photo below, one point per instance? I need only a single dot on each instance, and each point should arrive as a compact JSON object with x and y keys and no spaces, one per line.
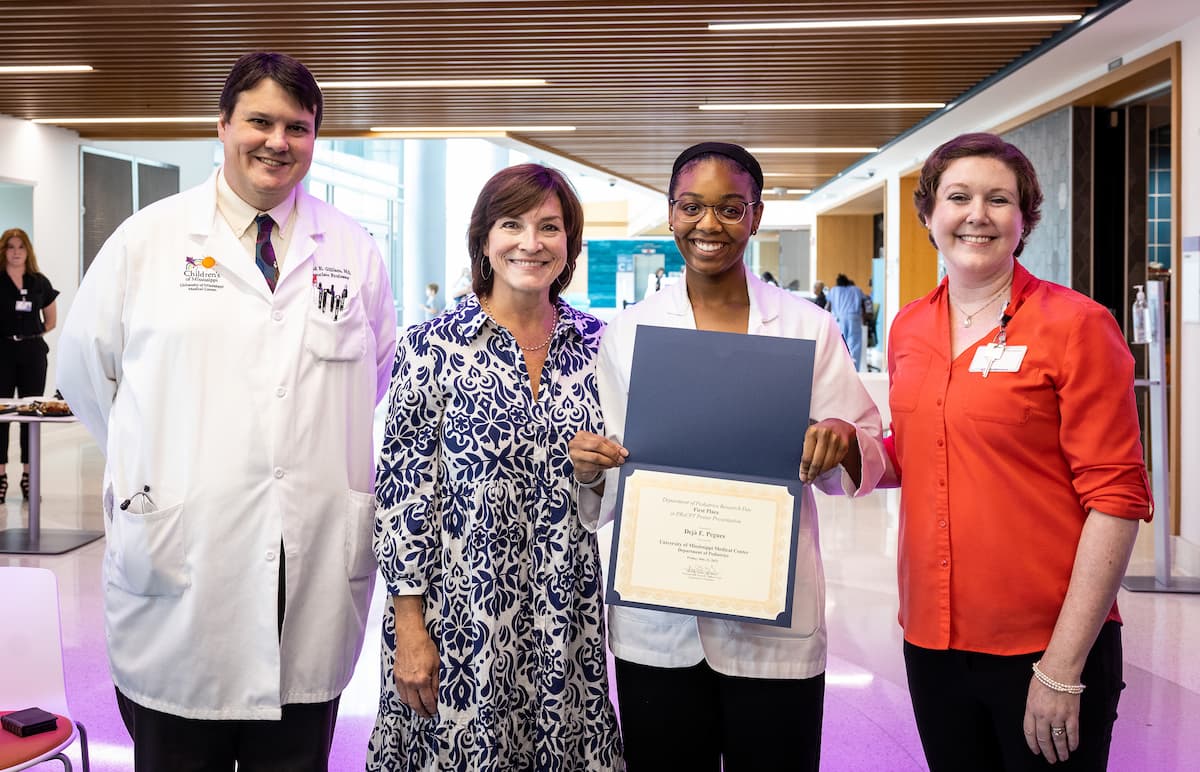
{"x":35,"y":540}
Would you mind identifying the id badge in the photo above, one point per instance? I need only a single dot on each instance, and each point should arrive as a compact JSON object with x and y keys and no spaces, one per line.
{"x":994,"y":358}
{"x":25,"y":305}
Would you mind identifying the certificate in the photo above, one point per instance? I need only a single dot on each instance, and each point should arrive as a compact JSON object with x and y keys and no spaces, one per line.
{"x":717,"y":546}
{"x":708,"y":505}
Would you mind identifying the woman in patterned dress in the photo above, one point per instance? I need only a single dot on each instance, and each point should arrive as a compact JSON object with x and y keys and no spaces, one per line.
{"x":493,"y":655}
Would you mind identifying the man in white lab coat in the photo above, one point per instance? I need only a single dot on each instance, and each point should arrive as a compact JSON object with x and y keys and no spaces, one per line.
{"x":229,"y":366}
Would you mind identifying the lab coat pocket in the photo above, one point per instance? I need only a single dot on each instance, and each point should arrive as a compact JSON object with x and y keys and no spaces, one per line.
{"x":147,"y":555}
{"x":360,"y":531}
{"x":340,"y":337}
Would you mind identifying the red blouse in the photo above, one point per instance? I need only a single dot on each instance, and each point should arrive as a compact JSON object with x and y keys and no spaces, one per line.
{"x":999,"y":473}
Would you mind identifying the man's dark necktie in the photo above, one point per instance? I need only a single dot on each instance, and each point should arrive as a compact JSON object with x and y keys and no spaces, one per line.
{"x":264,"y":253}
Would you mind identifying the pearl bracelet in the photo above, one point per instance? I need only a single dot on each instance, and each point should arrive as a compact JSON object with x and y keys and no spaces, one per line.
{"x":592,"y":483}
{"x":1050,"y":683}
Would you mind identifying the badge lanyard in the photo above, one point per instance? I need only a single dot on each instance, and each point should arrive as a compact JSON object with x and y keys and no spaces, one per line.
{"x":996,"y":347}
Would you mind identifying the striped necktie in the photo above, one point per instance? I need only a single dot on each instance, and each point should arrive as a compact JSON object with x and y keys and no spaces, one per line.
{"x":264,"y":253}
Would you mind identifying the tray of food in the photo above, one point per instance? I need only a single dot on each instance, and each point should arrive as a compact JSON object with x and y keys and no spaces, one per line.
{"x":49,"y":408}
{"x":54,"y":407}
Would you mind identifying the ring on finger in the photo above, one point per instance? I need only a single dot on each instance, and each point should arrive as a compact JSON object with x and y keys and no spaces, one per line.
{"x":1058,"y":731}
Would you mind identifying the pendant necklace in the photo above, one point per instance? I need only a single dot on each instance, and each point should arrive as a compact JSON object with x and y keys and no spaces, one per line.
{"x":539,"y":346}
{"x":968,"y":317}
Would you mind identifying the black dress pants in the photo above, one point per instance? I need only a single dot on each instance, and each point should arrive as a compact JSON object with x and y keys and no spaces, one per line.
{"x":23,"y":372}
{"x":299,"y":742}
{"x":694,"y":718}
{"x":970,"y":707}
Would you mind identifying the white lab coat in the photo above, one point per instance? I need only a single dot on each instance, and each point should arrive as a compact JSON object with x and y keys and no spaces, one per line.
{"x":737,"y":648}
{"x":249,"y":414}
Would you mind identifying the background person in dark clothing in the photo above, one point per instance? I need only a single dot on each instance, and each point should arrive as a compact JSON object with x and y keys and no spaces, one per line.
{"x":819,"y":295}
{"x":27,"y":312}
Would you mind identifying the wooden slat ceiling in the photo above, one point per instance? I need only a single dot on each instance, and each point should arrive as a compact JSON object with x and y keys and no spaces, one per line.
{"x":629,"y":74}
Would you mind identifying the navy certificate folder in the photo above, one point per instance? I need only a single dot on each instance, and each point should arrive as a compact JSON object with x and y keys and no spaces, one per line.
{"x":719,"y":401}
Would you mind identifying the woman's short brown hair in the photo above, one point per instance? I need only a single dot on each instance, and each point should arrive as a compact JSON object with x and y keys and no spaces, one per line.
{"x":31,"y":265}
{"x":989,"y":146}
{"x":512,"y":192}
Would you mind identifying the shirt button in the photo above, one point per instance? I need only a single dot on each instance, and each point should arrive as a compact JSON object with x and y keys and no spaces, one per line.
{"x":941,"y":523}
{"x":941,"y":483}
{"x":277,"y":316}
{"x":940,"y":442}
{"x":270,"y":555}
{"x":945,"y":563}
{"x":278,"y":472}
{"x":281,"y":392}
{"x":939,"y":402}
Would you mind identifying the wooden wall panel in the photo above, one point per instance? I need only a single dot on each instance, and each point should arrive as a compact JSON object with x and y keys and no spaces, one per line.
{"x":844,"y":245}
{"x":918,"y":258}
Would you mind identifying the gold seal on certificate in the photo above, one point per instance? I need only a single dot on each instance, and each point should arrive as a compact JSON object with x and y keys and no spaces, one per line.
{"x":705,"y":545}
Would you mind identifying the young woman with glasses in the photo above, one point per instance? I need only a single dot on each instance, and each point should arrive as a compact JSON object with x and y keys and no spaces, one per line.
{"x":696,"y":692}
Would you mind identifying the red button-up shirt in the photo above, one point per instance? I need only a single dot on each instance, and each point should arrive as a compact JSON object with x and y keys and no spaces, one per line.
{"x":999,"y":473}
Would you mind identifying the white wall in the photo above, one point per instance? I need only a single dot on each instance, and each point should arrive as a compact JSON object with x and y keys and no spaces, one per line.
{"x":48,"y":158}
{"x":1188,"y":135}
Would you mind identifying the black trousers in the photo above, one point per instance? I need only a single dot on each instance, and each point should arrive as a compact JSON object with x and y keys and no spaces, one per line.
{"x":693,"y":718}
{"x":23,"y":372}
{"x":299,"y":742}
{"x":970,"y":707}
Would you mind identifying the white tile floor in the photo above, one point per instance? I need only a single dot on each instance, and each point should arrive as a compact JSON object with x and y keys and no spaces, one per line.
{"x":868,"y":721}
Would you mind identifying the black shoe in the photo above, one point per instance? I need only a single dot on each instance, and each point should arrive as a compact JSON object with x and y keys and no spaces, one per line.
{"x":3,"y":488}
{"x":25,"y":485}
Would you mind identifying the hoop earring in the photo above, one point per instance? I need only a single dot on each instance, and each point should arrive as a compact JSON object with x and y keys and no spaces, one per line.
{"x":484,"y":262}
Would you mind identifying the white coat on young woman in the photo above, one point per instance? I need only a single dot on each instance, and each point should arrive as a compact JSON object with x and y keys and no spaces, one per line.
{"x":739,"y":648}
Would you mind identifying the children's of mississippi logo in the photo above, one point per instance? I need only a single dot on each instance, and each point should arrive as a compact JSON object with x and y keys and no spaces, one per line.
{"x":200,"y":274}
{"x":193,"y":264}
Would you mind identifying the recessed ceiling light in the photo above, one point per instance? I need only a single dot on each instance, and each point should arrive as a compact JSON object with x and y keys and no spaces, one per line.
{"x":812,"y":149}
{"x":34,"y":69}
{"x":169,"y":119}
{"x":922,"y":22}
{"x":798,"y":191}
{"x":460,"y":83}
{"x":461,"y":130}
{"x":830,"y":106}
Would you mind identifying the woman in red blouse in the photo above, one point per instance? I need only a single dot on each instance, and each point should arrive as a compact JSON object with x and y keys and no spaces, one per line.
{"x":1016,"y":434}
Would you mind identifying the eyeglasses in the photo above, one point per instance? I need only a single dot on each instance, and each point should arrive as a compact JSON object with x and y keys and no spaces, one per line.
{"x":728,"y":212}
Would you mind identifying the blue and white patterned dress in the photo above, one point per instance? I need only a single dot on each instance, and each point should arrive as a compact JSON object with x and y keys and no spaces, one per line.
{"x":477,"y":511}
